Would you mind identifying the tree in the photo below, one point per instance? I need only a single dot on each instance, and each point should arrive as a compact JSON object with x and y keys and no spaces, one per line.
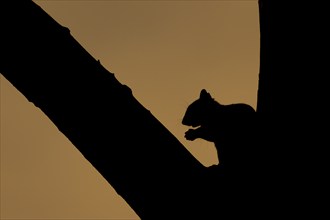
{"x":130,"y":148}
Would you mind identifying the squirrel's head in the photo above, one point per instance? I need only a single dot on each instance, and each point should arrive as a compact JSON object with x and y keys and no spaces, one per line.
{"x":198,"y":112}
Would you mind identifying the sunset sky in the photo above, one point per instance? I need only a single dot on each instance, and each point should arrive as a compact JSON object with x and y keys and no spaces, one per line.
{"x":166,"y":52}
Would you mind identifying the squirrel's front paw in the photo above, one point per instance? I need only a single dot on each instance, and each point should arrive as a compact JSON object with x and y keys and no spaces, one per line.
{"x":190,"y":135}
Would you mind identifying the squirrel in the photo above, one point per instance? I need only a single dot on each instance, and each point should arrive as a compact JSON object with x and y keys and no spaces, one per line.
{"x":228,"y":126}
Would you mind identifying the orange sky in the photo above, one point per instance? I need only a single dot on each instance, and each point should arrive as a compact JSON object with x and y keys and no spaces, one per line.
{"x":166,"y":52}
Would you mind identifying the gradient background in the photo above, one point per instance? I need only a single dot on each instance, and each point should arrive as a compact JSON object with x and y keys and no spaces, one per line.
{"x":166,"y":52}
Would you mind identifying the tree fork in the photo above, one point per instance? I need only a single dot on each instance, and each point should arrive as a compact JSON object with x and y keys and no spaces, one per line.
{"x":129,"y":147}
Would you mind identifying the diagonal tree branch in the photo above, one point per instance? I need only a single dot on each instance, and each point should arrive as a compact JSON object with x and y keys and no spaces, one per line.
{"x":133,"y":151}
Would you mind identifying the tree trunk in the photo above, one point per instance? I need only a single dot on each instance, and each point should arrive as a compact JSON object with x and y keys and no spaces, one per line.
{"x":291,"y":100}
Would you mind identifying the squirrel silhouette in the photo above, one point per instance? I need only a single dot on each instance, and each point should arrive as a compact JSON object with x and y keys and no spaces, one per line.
{"x":228,"y":126}
{"x":233,"y":130}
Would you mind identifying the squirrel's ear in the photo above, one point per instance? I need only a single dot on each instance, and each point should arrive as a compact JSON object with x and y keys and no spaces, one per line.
{"x":205,"y":95}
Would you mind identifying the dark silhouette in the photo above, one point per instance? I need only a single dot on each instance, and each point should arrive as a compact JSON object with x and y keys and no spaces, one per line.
{"x":228,"y":126}
{"x":232,"y":128}
{"x":136,"y":154}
